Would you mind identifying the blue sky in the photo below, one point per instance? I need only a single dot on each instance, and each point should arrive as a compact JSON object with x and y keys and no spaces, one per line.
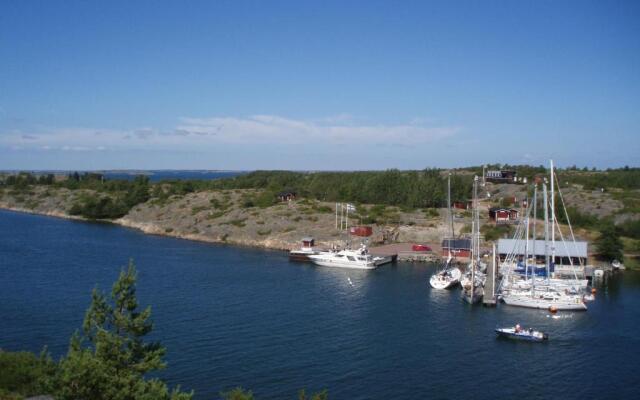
{"x":318,"y":85}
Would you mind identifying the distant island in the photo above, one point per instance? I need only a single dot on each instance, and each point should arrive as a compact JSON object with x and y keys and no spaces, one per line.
{"x":275,"y":209}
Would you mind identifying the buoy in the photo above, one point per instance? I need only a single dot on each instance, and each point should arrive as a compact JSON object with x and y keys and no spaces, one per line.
{"x":593,"y":291}
{"x":553,"y":309}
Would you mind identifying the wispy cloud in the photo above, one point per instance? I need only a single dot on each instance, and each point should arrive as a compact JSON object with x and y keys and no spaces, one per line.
{"x":200,"y":133}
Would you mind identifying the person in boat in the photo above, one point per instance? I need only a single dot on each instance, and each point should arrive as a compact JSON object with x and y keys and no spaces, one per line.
{"x":518,"y":328}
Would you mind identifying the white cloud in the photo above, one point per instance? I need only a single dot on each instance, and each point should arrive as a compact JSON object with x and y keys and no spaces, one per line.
{"x":200,"y":133}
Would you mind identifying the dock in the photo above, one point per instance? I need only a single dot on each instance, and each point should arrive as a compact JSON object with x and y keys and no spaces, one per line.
{"x":404,"y":252}
{"x":489,"y":297}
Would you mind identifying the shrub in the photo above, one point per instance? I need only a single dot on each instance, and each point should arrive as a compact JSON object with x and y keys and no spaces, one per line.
{"x":431,"y":213}
{"x":25,"y":374}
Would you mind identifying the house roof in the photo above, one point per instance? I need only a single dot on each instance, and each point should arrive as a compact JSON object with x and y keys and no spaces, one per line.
{"x":502,"y":209}
{"x":563,"y":249}
{"x":463,"y":243}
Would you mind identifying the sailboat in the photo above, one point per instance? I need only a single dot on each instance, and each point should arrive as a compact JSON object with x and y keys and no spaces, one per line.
{"x":533,"y":292}
{"x":472,"y":287}
{"x":448,"y":276}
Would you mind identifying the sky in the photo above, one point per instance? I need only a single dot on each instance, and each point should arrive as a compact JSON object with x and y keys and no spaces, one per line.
{"x":322,"y":85}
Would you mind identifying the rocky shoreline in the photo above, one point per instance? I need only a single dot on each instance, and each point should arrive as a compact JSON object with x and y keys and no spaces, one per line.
{"x":219,"y":217}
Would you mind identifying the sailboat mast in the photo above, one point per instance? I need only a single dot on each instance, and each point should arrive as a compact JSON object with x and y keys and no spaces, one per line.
{"x":546,"y":227}
{"x":475,"y":240}
{"x":526,"y":248}
{"x":493,"y":271}
{"x":553,"y":216}
{"x":449,"y":203}
{"x":535,"y":217}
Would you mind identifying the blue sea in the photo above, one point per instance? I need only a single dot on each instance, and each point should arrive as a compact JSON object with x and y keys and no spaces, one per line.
{"x":232,"y":316}
{"x":160,"y":175}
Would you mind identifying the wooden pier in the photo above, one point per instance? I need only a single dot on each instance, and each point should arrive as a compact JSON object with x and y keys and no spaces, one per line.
{"x":404,"y":252}
{"x":489,"y":299}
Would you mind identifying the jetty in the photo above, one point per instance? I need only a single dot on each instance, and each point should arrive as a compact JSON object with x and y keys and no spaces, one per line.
{"x":404,"y":252}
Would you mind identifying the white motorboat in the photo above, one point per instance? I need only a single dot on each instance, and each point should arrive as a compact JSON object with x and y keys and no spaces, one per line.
{"x":358,"y":259}
{"x":522,"y":334}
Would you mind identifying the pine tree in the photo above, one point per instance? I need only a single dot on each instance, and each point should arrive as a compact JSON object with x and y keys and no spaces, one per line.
{"x":115,"y":359}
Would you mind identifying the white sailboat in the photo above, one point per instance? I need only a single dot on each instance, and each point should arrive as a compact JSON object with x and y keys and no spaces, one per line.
{"x":448,"y":276}
{"x":546,"y":293}
{"x":473,"y":286}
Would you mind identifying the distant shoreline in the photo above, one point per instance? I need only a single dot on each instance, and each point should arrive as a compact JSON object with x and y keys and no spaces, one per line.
{"x":146,"y":228}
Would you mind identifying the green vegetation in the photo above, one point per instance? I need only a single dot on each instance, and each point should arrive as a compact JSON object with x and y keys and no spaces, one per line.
{"x":239,"y":222}
{"x":622,"y":178}
{"x":609,"y":244}
{"x":262,"y":199}
{"x":577,"y":219}
{"x":114,"y":204}
{"x":495,"y":232}
{"x":431,"y":213}
{"x":411,"y":189}
{"x":25,"y":374}
{"x":197,"y":209}
{"x":110,"y":358}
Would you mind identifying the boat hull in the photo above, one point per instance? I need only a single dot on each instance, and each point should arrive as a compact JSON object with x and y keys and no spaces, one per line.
{"x":561,"y":305}
{"x":472,"y":297}
{"x":335,"y":264}
{"x":510,"y":333}
{"x":445,"y":279}
{"x":300,"y":256}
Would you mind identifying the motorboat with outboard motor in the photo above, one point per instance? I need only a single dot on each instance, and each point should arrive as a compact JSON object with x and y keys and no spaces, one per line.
{"x":518,"y":333}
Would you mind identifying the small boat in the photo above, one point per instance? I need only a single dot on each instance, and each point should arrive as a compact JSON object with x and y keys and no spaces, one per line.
{"x":446,"y":278}
{"x":519,"y":333}
{"x":615,"y":264}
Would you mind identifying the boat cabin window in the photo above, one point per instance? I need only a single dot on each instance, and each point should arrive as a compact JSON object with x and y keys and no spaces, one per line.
{"x":339,"y":255}
{"x":351,"y":258}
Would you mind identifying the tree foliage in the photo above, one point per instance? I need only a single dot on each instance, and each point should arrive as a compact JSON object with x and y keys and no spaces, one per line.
{"x":25,"y":374}
{"x":110,"y":358}
{"x":609,"y":244}
{"x":408,"y":189}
